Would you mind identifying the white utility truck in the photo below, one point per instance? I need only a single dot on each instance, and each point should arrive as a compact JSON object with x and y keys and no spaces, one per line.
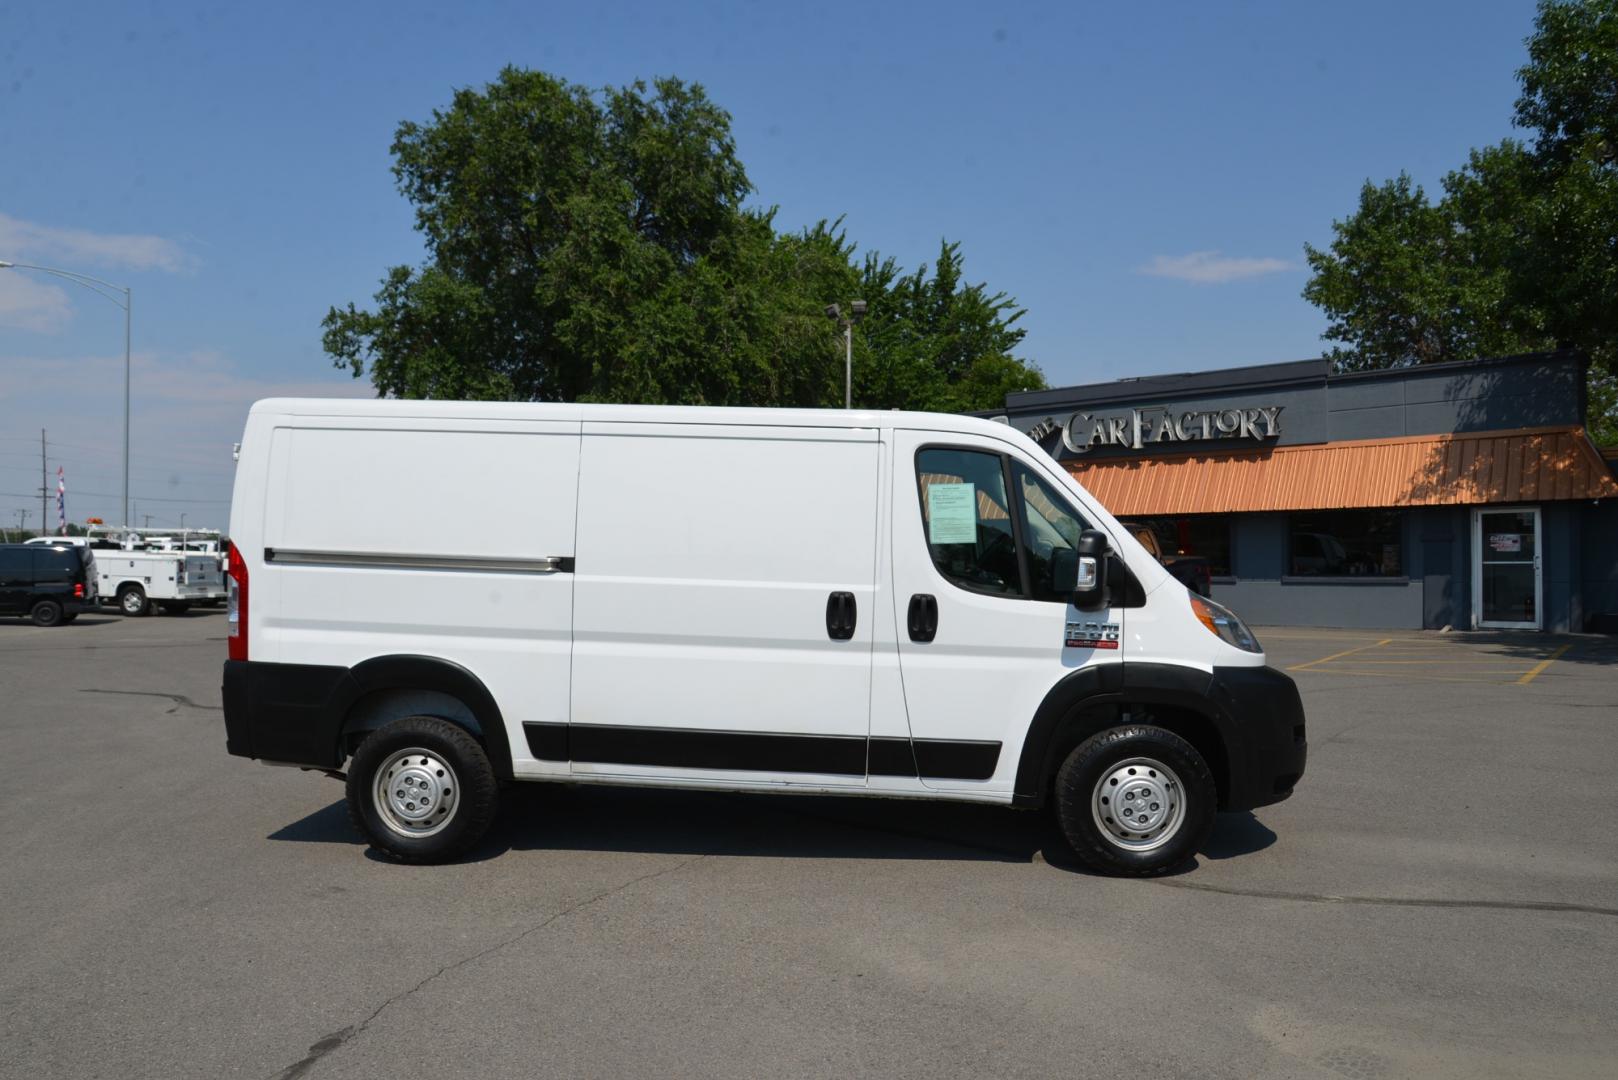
{"x":447,"y":595}
{"x":140,"y":579}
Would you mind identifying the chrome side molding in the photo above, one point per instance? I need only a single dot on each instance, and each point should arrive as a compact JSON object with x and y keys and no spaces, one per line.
{"x":372,"y":560}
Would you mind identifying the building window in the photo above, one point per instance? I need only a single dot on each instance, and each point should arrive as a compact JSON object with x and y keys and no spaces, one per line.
{"x":1204,"y":535}
{"x":1347,"y":543}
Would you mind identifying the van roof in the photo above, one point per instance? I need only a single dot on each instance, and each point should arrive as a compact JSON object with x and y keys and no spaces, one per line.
{"x":652,"y":414}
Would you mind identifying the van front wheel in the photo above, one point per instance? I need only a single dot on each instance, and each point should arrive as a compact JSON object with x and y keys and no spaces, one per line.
{"x":421,"y":790}
{"x":1135,"y":800}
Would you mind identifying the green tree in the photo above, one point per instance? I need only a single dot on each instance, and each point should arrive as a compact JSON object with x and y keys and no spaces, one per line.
{"x":1521,"y":251}
{"x":932,"y":342}
{"x":595,"y":246}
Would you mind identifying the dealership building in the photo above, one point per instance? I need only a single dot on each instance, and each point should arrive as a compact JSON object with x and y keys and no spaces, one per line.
{"x":1462,"y":495}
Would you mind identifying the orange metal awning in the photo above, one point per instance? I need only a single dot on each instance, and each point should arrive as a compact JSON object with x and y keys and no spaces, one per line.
{"x":1533,"y":465}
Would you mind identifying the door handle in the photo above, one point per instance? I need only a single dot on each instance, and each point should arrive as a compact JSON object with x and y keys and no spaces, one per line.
{"x":923,"y":617}
{"x":841,"y":615}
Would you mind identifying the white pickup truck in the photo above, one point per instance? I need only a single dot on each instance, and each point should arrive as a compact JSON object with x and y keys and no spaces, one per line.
{"x":141,"y":579}
{"x":169,"y":580}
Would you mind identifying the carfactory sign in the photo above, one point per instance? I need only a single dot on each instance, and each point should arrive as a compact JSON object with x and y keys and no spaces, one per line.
{"x":1156,"y":426}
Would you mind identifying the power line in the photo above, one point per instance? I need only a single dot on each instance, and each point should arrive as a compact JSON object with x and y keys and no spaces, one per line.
{"x":114,"y":495}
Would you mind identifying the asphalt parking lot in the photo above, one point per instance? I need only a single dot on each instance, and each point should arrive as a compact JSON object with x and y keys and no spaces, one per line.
{"x":1440,"y":899}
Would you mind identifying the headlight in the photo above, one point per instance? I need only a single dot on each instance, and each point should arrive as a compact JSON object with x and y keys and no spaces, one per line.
{"x":1223,"y":623}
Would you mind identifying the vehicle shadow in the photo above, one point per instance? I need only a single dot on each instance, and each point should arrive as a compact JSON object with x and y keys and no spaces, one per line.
{"x":85,"y":619}
{"x":1235,"y":835}
{"x":554,"y":817}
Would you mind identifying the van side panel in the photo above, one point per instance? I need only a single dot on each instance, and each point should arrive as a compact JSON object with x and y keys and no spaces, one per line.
{"x":707,"y":558}
{"x":383,"y":541}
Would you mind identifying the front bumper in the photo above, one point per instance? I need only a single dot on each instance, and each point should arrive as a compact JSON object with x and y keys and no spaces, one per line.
{"x":1269,"y":748}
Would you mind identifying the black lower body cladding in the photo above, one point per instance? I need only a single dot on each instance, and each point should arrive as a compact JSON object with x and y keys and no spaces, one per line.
{"x":284,"y":712}
{"x":295,"y":713}
{"x":1268,"y":748}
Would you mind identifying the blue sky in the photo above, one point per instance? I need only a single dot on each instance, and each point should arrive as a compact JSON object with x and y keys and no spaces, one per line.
{"x":1141,"y":177}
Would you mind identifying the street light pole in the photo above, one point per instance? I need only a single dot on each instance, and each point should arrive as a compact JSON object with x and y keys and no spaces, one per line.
{"x":96,"y":285}
{"x":848,"y":365}
{"x":835,"y":313}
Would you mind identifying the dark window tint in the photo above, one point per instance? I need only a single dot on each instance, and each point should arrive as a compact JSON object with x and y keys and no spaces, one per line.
{"x":16,"y":560}
{"x":1050,"y":525}
{"x":53,"y":563}
{"x":1347,"y":543}
{"x":965,"y":516}
{"x":1204,"y":535}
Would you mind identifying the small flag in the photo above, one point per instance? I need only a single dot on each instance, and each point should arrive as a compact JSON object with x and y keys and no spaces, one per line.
{"x":61,"y":501}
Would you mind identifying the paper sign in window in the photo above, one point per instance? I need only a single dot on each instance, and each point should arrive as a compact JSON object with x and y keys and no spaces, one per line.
{"x":952,"y":513}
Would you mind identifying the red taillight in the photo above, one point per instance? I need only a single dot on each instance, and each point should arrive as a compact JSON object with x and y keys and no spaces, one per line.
{"x":78,"y":590}
{"x":236,"y":604}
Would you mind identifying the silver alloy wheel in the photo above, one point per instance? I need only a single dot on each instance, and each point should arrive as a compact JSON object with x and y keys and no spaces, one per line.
{"x":133,"y":601}
{"x":1138,"y":804}
{"x":416,"y":792}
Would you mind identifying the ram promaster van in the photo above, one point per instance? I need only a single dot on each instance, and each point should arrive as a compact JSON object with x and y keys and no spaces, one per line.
{"x":447,"y":595}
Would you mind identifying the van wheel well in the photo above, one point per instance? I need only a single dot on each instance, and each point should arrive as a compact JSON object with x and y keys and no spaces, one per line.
{"x":1199,"y":731}
{"x":381,"y":707}
{"x":1188,"y":724}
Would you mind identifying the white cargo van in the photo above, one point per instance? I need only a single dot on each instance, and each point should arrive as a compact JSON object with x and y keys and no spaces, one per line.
{"x":447,"y":595}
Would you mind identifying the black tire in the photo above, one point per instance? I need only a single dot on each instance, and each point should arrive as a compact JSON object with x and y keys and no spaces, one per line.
{"x":46,"y":613}
{"x":1085,"y":782}
{"x":132,"y":601}
{"x":471,"y":794}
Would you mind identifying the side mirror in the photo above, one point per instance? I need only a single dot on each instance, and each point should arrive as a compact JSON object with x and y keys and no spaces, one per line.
{"x":1090,"y":585}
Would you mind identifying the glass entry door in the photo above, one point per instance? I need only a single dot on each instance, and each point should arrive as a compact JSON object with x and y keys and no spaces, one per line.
{"x":1507,"y":588}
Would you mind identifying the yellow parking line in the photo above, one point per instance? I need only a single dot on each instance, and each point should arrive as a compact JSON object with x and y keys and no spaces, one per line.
{"x":1539,"y":668}
{"x":1506,"y":681}
{"x":1489,"y":665}
{"x":1337,"y":656}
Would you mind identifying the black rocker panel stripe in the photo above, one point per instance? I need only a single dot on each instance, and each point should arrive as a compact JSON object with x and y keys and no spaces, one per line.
{"x":834,"y":755}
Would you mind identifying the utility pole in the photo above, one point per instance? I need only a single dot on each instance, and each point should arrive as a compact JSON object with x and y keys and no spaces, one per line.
{"x":43,"y":482}
{"x":108,"y":291}
{"x":148,"y":521}
{"x":22,"y":523}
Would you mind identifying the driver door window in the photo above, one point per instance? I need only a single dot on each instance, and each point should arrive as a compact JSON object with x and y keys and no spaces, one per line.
{"x":967,"y":520}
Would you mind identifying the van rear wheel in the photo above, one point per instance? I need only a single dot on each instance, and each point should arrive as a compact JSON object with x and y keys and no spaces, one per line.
{"x":421,"y":790}
{"x":1135,"y":800}
{"x":46,"y":613}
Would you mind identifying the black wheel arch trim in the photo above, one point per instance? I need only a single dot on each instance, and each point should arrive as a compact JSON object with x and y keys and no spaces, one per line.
{"x":1142,"y":683}
{"x":411,"y":672}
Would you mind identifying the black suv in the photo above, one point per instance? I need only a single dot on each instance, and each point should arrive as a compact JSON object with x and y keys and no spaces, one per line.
{"x":50,"y":585}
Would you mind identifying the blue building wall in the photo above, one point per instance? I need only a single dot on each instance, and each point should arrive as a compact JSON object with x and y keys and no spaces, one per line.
{"x":1436,"y":590}
{"x":1260,"y":591}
